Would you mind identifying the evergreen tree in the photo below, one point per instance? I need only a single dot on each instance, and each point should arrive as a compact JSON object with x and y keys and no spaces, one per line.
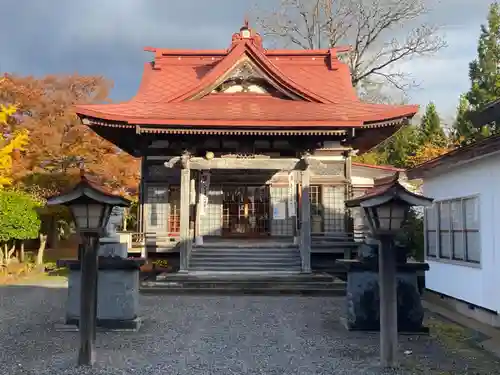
{"x":430,"y":127}
{"x":395,"y":150}
{"x":463,"y":130}
{"x":484,"y":72}
{"x":405,"y":142}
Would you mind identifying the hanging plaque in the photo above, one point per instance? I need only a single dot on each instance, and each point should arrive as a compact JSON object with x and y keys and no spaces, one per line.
{"x":204,"y":189}
{"x":292,"y":207}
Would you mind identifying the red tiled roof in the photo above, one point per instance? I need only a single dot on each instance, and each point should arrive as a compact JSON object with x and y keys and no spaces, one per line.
{"x":245,"y":109}
{"x":174,"y":91}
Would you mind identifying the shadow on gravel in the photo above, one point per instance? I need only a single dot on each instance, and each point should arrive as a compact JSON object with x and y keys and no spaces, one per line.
{"x":222,"y":335}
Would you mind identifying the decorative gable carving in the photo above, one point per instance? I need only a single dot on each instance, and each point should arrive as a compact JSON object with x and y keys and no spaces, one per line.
{"x":245,"y":71}
{"x":246,"y":77}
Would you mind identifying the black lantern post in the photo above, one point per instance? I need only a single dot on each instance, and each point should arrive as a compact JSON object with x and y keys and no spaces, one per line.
{"x":386,"y":207}
{"x":90,"y":207}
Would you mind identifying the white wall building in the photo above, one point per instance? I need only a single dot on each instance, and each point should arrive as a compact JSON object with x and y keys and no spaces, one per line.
{"x":462,"y":228}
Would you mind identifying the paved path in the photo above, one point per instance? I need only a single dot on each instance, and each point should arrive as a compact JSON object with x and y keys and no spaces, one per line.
{"x":216,"y":335}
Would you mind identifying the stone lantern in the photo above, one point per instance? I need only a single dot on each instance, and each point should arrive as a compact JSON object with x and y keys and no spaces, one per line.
{"x":382,"y":292}
{"x":102,"y":291}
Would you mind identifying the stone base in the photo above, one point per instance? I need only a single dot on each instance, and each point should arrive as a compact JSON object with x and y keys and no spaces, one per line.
{"x":110,"y":324}
{"x":363,"y":302}
{"x":117,"y":293}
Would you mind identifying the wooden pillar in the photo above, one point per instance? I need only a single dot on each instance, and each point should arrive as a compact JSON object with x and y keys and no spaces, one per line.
{"x":305,"y":213}
{"x":192,"y":208}
{"x":142,"y":197}
{"x":141,"y":224}
{"x":348,"y":219}
{"x":185,"y":238}
{"x":388,"y":304}
{"x":295,"y":197}
{"x":88,"y":299}
{"x":198,"y":238}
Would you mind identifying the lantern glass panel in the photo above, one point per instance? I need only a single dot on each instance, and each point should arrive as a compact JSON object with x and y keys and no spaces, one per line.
{"x":391,"y":216}
{"x":87,"y":216}
{"x":95,"y":212}
{"x":370,"y":219}
{"x":80,"y":215}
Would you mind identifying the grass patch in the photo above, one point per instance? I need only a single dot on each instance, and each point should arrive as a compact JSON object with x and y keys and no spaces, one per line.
{"x":464,"y":343}
{"x":51,"y":269}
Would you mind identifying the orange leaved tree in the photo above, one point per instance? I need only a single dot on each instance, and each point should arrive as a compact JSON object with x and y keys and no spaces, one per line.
{"x":58,"y":140}
{"x":49,"y":163}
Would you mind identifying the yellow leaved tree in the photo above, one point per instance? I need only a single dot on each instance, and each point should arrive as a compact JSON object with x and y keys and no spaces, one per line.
{"x":425,"y":153}
{"x":10,"y":141}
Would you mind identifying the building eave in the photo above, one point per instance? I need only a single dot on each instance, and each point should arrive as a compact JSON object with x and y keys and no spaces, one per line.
{"x":242,"y":127}
{"x":489,"y":113}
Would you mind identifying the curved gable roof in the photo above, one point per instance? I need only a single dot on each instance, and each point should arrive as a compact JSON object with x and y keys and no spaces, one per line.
{"x":176,"y":89}
{"x":242,"y":49}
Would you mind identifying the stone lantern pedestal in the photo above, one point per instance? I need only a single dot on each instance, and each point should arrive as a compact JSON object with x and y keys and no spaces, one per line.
{"x":117,"y":282}
{"x":363,"y":299}
{"x":117,"y":293}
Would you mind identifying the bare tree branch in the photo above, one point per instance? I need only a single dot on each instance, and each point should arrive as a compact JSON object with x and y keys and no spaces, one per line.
{"x":382,"y":33}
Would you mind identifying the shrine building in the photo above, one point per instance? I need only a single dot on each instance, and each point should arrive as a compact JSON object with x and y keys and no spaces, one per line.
{"x":248,"y":148}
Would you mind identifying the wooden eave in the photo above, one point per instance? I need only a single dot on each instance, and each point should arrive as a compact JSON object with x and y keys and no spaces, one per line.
{"x":489,"y":113}
{"x":361,"y":138}
{"x":209,"y":127}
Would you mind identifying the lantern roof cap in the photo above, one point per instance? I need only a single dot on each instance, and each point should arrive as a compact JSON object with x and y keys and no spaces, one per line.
{"x":388,"y":189}
{"x":88,"y":191}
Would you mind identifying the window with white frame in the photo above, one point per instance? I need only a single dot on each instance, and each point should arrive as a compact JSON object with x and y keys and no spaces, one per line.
{"x":452,"y":230}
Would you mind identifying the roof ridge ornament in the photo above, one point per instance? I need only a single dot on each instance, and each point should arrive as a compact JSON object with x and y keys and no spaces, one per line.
{"x":247,"y":34}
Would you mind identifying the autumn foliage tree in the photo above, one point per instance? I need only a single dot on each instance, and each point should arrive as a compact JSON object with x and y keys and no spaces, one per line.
{"x":10,"y":142}
{"x":413,"y":144}
{"x":58,"y":140}
{"x":425,"y":153}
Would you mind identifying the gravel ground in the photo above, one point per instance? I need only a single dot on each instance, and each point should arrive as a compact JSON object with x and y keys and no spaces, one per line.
{"x":221,"y":335}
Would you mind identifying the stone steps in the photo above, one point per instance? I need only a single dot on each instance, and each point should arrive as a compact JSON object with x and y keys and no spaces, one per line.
{"x":245,"y":268}
{"x":245,"y":283}
{"x":245,"y":258}
{"x":250,"y":291}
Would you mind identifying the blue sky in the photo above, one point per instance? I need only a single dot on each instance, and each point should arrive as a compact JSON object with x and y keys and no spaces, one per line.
{"x":106,"y":37}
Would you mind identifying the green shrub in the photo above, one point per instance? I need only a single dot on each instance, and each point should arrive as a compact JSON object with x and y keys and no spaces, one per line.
{"x":19,"y":220}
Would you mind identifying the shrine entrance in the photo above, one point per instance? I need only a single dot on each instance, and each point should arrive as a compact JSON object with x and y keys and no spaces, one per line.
{"x":246,"y":211}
